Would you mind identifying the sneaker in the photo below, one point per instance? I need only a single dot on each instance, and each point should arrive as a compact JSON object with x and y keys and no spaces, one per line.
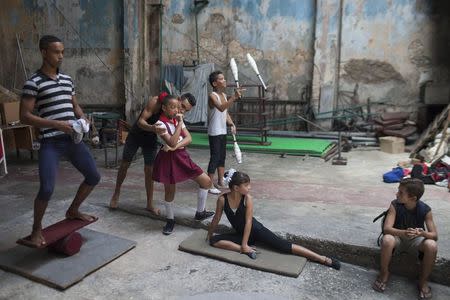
{"x":168,"y":228}
{"x":214,"y":191}
{"x":199,"y":216}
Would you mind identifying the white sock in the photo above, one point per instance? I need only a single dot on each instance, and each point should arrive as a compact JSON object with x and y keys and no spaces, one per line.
{"x":201,"y":200}
{"x":169,"y":210}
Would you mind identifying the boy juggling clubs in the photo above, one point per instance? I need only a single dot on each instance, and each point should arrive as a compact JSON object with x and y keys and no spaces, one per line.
{"x":218,"y":119}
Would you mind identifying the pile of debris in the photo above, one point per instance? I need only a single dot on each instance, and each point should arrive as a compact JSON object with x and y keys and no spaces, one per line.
{"x":432,"y":150}
{"x":433,"y":143}
{"x":394,"y":124}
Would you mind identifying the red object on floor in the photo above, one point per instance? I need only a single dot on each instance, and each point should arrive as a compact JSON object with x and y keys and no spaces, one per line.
{"x":57,"y":231}
{"x":69,"y":245}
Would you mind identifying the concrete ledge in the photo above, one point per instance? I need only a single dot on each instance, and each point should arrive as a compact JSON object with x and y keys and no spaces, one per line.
{"x":368,"y":257}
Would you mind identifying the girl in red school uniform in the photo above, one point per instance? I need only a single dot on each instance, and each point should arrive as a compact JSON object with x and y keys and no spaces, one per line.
{"x":173,"y":163}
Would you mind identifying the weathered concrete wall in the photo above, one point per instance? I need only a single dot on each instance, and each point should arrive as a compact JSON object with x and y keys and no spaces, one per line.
{"x":142,"y":57}
{"x":387,"y":47}
{"x":99,"y":24}
{"x":278,"y":34}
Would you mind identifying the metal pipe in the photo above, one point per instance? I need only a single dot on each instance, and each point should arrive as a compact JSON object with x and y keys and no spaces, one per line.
{"x":15,"y":71}
{"x":196,"y":37}
{"x":21,"y":57}
{"x":198,"y":6}
{"x":160,"y":44}
{"x":309,"y":122}
{"x":338,"y":56}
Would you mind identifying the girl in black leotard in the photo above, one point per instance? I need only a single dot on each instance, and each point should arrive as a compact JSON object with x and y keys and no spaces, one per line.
{"x":238,"y":207}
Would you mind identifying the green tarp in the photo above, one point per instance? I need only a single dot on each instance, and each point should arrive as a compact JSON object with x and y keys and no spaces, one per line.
{"x":279,"y":145}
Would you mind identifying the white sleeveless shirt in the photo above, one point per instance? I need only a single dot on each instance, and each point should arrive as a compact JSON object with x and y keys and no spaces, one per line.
{"x":217,"y":120}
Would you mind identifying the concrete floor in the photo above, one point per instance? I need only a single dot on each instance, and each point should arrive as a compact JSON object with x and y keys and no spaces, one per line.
{"x":155,"y":269}
{"x":303,"y":198}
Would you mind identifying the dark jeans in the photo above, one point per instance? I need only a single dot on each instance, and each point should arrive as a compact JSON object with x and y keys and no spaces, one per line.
{"x":52,"y":149}
{"x":217,"y":151}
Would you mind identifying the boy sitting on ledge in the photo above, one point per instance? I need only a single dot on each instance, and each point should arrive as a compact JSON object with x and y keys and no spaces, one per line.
{"x":404,"y":231}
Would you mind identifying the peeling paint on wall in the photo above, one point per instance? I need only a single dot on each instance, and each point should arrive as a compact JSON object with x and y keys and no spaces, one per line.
{"x":389,"y":47}
{"x":177,"y":19}
{"x":370,"y":71}
{"x":278,"y":34}
{"x":92,"y":32}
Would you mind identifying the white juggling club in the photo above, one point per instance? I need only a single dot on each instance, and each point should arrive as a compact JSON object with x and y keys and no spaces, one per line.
{"x":237,"y":150}
{"x":234,"y":70}
{"x":252,"y":63}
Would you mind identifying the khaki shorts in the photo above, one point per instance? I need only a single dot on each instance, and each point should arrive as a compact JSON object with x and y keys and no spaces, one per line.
{"x":410,"y":246}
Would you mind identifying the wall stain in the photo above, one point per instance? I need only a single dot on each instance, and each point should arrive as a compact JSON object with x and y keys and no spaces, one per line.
{"x":177,"y":19}
{"x":85,"y":72}
{"x":416,"y":52}
{"x":370,"y":71}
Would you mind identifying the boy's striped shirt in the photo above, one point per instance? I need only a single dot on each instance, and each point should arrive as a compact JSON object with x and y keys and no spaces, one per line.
{"x":53,"y":99}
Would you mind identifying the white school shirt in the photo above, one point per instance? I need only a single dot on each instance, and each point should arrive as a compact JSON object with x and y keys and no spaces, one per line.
{"x":172,"y":129}
{"x":217,"y":120}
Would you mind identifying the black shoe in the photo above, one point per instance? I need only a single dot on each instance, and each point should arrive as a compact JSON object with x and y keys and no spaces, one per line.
{"x":168,"y":228}
{"x":199,"y":216}
{"x":335,"y":263}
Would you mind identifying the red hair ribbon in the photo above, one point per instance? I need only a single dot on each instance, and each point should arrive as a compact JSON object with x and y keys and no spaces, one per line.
{"x":161,"y":96}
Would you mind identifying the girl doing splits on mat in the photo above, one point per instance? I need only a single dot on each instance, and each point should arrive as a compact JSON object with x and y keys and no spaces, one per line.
{"x":238,"y":207}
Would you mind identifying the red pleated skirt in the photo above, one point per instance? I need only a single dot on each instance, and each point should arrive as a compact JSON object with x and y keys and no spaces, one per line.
{"x":174,"y":166}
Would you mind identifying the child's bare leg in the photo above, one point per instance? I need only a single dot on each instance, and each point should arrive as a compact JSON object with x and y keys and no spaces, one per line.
{"x":36,"y":238}
{"x":203,"y":181}
{"x":429,"y":249}
{"x":227,"y":245}
{"x":169,"y":192}
{"x":73,"y":212}
{"x":387,"y":246}
{"x":121,"y":174}
{"x":220,"y":173}
{"x":302,"y":251}
{"x":148,"y":171}
{"x":211,"y":177}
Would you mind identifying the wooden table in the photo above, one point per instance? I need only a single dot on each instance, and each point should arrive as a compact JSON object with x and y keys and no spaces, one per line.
{"x":18,"y":137}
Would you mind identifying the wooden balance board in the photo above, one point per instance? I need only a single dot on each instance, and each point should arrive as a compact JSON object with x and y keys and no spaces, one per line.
{"x":61,"y":237}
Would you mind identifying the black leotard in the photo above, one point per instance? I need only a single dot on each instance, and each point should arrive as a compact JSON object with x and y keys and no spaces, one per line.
{"x":237,"y":219}
{"x":259,"y":233}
